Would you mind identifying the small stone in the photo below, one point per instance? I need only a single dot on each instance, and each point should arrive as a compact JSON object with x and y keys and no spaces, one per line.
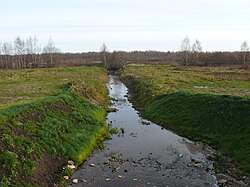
{"x":135,"y":179}
{"x":222,"y":181}
{"x":180,"y":155}
{"x":119,"y":176}
{"x":71,"y":162}
{"x":196,"y":161}
{"x":71,"y":167}
{"x":75,"y":181}
{"x":66,"y":177}
{"x":92,"y":165}
{"x":83,"y":180}
{"x":107,"y":179}
{"x":198,"y":165}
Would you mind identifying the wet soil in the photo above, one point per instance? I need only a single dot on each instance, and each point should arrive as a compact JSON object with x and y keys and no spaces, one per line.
{"x":47,"y":170}
{"x":144,"y":154}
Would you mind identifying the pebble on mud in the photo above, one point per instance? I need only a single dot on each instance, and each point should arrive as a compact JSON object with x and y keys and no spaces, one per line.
{"x":198,"y":165}
{"x":196,"y":161}
{"x":92,"y":165}
{"x":222,"y":181}
{"x":83,"y":180}
{"x":75,"y":181}
{"x":107,"y":179}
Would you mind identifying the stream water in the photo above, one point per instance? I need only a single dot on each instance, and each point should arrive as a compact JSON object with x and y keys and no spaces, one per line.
{"x":143,"y":153}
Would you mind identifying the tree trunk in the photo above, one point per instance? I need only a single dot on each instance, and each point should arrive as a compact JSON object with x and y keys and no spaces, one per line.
{"x":244,"y":58}
{"x":51,"y":60}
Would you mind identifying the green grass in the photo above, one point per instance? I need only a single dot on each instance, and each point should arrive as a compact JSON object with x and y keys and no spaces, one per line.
{"x":67,"y":123}
{"x":164,"y":79}
{"x":218,"y":112}
{"x":30,"y":84}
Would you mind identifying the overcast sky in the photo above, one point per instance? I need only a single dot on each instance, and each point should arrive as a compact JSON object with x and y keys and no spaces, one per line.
{"x":83,"y":25}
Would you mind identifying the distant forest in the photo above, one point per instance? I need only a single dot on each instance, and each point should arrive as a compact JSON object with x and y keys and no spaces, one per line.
{"x":28,"y":54}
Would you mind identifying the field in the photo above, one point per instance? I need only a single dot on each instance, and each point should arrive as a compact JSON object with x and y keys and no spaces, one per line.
{"x":48,"y":116}
{"x":207,"y":104}
{"x":30,"y":84}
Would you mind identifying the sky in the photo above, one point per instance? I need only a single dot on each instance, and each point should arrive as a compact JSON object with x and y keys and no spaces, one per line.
{"x":84,"y":25}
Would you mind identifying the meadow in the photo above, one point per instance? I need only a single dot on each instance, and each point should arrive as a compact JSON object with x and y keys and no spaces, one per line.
{"x":47,"y":117}
{"x":207,"y":104}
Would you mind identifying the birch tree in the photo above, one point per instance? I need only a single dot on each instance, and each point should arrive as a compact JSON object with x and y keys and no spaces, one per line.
{"x":7,"y":51}
{"x":20,"y":51}
{"x":1,"y":54}
{"x":104,"y":54}
{"x":32,"y":49}
{"x":244,"y":49}
{"x":50,"y":50}
{"x":185,"y":48}
{"x":197,"y":49}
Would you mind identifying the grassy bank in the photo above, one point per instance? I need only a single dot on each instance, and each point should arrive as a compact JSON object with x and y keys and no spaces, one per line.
{"x":40,"y":134}
{"x":208,"y":104}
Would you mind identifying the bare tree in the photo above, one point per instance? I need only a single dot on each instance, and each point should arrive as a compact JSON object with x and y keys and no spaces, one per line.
{"x":7,"y":51}
{"x":20,"y":51}
{"x":104,"y":54}
{"x":116,"y":60}
{"x":197,"y":49}
{"x":1,"y":54}
{"x":35,"y":50}
{"x":244,"y":49}
{"x":50,"y":50}
{"x":31,"y":49}
{"x":39,"y":53}
{"x":185,"y":48}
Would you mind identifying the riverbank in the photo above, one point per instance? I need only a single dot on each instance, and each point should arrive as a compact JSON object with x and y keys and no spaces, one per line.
{"x":143,"y":153}
{"x":208,"y":105}
{"x":63,"y":121}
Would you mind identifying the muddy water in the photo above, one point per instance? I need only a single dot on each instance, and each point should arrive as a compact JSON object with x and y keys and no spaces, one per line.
{"x":144,"y":154}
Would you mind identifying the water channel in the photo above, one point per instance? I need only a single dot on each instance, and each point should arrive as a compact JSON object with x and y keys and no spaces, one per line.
{"x":144,"y":154}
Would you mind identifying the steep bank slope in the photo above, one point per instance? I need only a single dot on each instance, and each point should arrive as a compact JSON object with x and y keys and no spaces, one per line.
{"x":38,"y":137}
{"x":223,"y":121}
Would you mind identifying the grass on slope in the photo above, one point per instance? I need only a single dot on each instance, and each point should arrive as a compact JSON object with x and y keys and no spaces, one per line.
{"x":221,"y":121}
{"x":201,"y":103}
{"x":39,"y":136}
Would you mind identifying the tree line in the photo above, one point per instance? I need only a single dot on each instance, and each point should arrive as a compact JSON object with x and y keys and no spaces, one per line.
{"x":28,"y":53}
{"x":194,"y":55}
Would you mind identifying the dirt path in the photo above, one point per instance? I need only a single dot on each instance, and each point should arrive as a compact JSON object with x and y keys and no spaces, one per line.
{"x":144,"y":154}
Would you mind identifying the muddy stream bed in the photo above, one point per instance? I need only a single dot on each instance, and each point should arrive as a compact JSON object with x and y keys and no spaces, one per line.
{"x":144,"y":154}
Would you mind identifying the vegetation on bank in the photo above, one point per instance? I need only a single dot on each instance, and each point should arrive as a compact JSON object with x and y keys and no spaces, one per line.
{"x":64,"y":120}
{"x":207,"y":104}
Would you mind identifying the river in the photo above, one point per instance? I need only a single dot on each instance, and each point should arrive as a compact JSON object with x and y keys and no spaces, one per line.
{"x":144,"y":154}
